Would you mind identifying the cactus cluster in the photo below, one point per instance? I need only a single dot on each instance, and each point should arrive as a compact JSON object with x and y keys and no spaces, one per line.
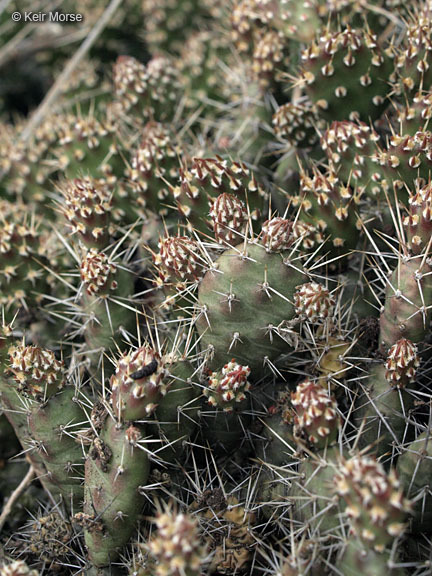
{"x":216,"y":292}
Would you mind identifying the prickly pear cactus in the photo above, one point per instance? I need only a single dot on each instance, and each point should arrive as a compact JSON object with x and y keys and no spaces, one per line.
{"x":215,"y":279}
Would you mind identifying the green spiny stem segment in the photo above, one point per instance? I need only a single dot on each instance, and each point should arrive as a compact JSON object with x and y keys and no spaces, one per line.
{"x":105,"y":285}
{"x":146,"y":92}
{"x":114,"y":471}
{"x":316,"y":418}
{"x":12,"y":403}
{"x":344,"y":74}
{"x":411,"y":66}
{"x":313,"y":494}
{"x":154,"y":168}
{"x":52,"y":414}
{"x":382,"y":410}
{"x":23,"y":170}
{"x":200,"y":70}
{"x":358,"y":560}
{"x":414,"y":467}
{"x":408,"y":294}
{"x":328,"y":205}
{"x":227,"y":386}
{"x":177,"y":411}
{"x":406,"y":161}
{"x":269,"y":54}
{"x":415,"y":113}
{"x":294,"y":20}
{"x":298,"y":124}
{"x":243,"y":304}
{"x":276,"y":437}
{"x":90,"y":146}
{"x":349,"y":147}
{"x":168,"y":24}
{"x":22,"y":277}
{"x":138,"y":384}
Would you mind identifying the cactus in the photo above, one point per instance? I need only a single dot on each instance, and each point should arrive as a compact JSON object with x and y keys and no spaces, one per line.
{"x":216,"y":252}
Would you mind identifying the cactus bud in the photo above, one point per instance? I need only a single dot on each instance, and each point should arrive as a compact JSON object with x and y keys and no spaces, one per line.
{"x":375,"y":502}
{"x":179,"y":256}
{"x":97,"y":273}
{"x":176,"y":546}
{"x":137,"y":384}
{"x":229,"y":217}
{"x":316,"y":414}
{"x":277,"y":234}
{"x":226,"y":387}
{"x":313,"y":301}
{"x":402,"y":361}
{"x":87,"y":208}
{"x":37,"y":372}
